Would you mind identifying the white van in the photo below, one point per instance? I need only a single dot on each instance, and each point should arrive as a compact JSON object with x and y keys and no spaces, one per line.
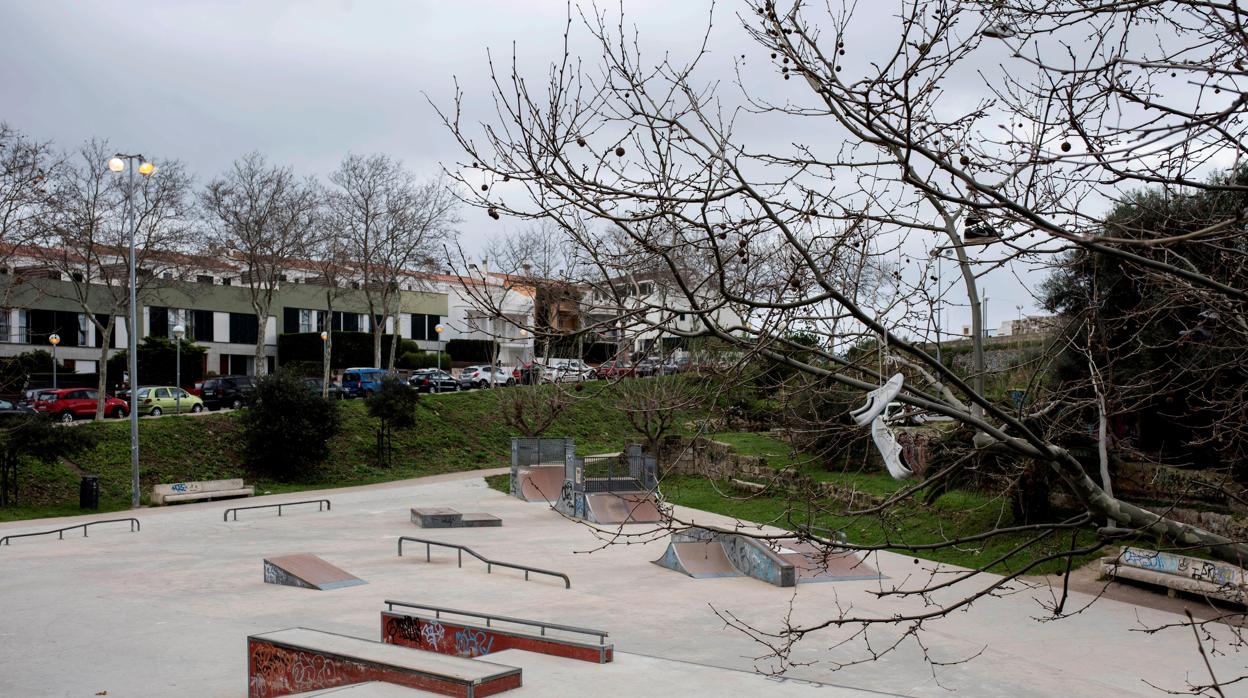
{"x":565,"y":370}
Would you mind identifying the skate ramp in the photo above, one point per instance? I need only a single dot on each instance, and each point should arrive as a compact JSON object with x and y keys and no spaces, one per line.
{"x":699,"y":559}
{"x":783,"y":563}
{"x":814,"y":564}
{"x":622,"y":508}
{"x":540,"y":483}
{"x":308,"y":572}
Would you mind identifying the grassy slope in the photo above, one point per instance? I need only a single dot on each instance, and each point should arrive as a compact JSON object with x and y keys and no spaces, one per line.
{"x":454,"y":432}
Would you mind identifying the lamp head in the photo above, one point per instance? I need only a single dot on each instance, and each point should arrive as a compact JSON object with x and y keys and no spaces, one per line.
{"x":439,"y":329}
{"x":116,"y":164}
{"x":146,"y":168}
{"x":54,"y":339}
{"x":179,"y":331}
{"x":324,"y":336}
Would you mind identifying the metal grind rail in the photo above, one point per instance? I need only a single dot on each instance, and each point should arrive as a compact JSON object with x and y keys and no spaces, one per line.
{"x":318,"y":502}
{"x":489,"y":564}
{"x":489,"y":617}
{"x":60,"y":532}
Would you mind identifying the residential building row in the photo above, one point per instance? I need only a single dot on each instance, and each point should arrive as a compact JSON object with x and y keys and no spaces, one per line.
{"x":210,"y":299}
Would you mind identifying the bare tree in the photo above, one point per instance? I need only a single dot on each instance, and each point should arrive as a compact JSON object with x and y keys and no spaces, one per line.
{"x":25,"y":166}
{"x":395,"y":225}
{"x":1077,"y":105}
{"x":331,"y":256}
{"x":84,"y":237}
{"x":265,"y":217}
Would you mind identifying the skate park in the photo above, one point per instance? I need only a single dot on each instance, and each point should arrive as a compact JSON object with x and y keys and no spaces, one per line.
{"x":85,"y":615}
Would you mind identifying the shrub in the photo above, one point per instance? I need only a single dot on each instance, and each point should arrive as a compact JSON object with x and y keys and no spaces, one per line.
{"x":471,"y":349}
{"x":421,"y":359}
{"x":287,"y":430}
{"x":394,"y":407}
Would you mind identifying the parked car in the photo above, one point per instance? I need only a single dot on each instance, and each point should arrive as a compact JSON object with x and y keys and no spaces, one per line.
{"x":314,"y":385}
{"x":158,"y":399}
{"x":362,"y":382}
{"x":673,"y":366}
{"x":433,"y":380}
{"x":228,"y":391}
{"x":10,"y":407}
{"x":566,"y":370}
{"x":646,"y":368}
{"x":527,"y":373}
{"x":485,"y":377}
{"x":615,"y":369}
{"x":68,"y":404}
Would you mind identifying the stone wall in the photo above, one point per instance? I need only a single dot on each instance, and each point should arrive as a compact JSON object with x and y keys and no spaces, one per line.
{"x":716,"y":460}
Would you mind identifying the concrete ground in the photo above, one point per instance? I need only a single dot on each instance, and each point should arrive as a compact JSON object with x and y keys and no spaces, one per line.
{"x":166,"y":611}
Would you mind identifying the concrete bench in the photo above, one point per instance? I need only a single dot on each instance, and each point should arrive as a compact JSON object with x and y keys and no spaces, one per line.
{"x":205,"y":489}
{"x":286,"y":662}
{"x":1180,"y":573}
{"x":463,"y":639}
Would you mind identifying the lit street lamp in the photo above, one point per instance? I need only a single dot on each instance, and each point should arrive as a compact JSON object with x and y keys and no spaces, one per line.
{"x":54,"y":339}
{"x":325,"y":365}
{"x":439,"y":329}
{"x":118,"y":164}
{"x":178,"y":333}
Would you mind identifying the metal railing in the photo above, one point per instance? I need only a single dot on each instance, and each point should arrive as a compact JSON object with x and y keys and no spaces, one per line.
{"x":489,"y":564}
{"x":318,"y":502}
{"x":489,"y":617}
{"x":60,"y":532}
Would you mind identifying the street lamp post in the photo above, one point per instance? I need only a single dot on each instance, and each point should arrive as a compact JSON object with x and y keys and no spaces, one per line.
{"x":117,"y":164}
{"x":325,"y":365}
{"x":439,"y":329}
{"x":54,"y":339}
{"x":178,"y":333}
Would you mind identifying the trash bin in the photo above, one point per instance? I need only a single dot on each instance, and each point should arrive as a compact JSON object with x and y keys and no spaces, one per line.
{"x":89,"y":492}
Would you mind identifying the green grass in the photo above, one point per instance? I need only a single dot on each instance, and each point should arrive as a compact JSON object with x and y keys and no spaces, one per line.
{"x":954,"y":514}
{"x":454,"y":432}
{"x":779,"y":455}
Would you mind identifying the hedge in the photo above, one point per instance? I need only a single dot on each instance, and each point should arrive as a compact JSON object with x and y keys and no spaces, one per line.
{"x":350,"y":349}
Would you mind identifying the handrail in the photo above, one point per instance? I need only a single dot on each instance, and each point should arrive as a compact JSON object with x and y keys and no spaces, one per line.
{"x":60,"y":532}
{"x":489,"y":564}
{"x":317,"y":502}
{"x":439,"y":610}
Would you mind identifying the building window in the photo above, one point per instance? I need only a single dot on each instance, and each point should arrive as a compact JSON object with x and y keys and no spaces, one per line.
{"x":5,"y":330}
{"x":307,"y":320}
{"x":84,"y":329}
{"x":244,"y":329}
{"x":157,"y":321}
{"x":202,"y":324}
{"x":203,"y":279}
{"x":23,"y":327}
{"x":645,"y":288}
{"x":226,"y":281}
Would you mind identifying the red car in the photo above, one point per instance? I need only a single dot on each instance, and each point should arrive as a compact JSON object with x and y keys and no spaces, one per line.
{"x":68,"y":404}
{"x":616,"y":369}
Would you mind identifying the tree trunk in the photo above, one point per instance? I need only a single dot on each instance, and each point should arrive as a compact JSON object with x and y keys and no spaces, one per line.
{"x":329,"y":343}
{"x":106,"y":334}
{"x":262,"y":322}
{"x":394,"y":339}
{"x":378,"y":329}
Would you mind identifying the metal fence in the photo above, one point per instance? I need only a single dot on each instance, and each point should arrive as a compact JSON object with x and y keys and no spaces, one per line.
{"x":630,"y":471}
{"x":529,"y":451}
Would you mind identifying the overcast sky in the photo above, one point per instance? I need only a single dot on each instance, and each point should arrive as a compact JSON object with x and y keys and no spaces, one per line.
{"x":307,"y":82}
